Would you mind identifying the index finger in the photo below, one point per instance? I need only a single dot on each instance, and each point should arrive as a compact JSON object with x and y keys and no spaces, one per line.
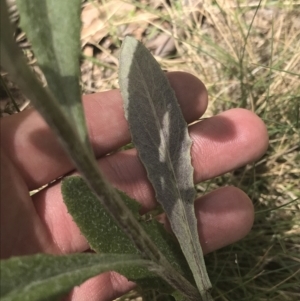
{"x":38,"y":155}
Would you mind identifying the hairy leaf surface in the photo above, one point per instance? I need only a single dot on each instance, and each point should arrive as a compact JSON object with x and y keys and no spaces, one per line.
{"x":55,"y":39}
{"x":159,"y":132}
{"x":46,"y":277}
{"x":13,"y":61}
{"x":105,"y":236}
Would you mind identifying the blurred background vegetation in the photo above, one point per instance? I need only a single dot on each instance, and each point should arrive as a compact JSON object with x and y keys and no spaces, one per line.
{"x":248,"y":55}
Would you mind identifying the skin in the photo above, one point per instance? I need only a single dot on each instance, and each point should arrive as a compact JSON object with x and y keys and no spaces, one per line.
{"x":31,"y":157}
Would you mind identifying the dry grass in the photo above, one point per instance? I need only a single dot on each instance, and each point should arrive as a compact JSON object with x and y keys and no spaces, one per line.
{"x":247,"y":54}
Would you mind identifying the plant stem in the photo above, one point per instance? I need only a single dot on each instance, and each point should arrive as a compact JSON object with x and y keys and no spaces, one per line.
{"x":13,"y":61}
{"x":9,"y":94}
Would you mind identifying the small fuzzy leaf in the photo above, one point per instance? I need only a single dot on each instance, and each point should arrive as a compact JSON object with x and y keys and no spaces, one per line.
{"x":53,"y":29}
{"x":105,"y":236}
{"x":159,"y":133}
{"x":46,"y":277}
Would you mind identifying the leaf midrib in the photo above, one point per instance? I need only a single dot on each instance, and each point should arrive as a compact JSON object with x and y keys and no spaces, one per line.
{"x":100,"y":266}
{"x":169,"y":161}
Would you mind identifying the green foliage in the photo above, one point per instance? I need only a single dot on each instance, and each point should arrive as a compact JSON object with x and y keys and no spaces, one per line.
{"x":55,"y":39}
{"x":84,"y":160}
{"x":47,"y":277}
{"x":159,"y":133}
{"x":105,"y":236}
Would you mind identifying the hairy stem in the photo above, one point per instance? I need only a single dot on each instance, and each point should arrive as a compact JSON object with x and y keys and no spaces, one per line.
{"x":13,"y":61}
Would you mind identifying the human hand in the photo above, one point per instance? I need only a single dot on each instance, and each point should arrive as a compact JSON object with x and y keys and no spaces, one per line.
{"x":32,"y":157}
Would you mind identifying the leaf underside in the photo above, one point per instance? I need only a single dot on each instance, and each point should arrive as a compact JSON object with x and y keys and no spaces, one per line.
{"x":47,"y":277}
{"x":105,"y":236}
{"x":159,"y":133}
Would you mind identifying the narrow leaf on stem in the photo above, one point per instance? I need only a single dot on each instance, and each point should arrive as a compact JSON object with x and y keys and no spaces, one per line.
{"x":46,"y":277}
{"x":55,"y":39}
{"x":99,"y":228}
{"x":160,"y":134}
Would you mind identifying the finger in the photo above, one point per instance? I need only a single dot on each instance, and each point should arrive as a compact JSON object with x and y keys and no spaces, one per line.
{"x":105,"y":287}
{"x":220,"y":144}
{"x":224,"y":216}
{"x":22,"y":231}
{"x":125,"y":171}
{"x":35,"y":151}
{"x":67,"y":237}
{"x":229,"y":140}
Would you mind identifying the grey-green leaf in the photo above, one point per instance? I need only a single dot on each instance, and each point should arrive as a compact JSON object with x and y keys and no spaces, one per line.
{"x":53,"y":29}
{"x":105,"y":236}
{"x":13,"y":61}
{"x":159,"y":132}
{"x":46,"y":277}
